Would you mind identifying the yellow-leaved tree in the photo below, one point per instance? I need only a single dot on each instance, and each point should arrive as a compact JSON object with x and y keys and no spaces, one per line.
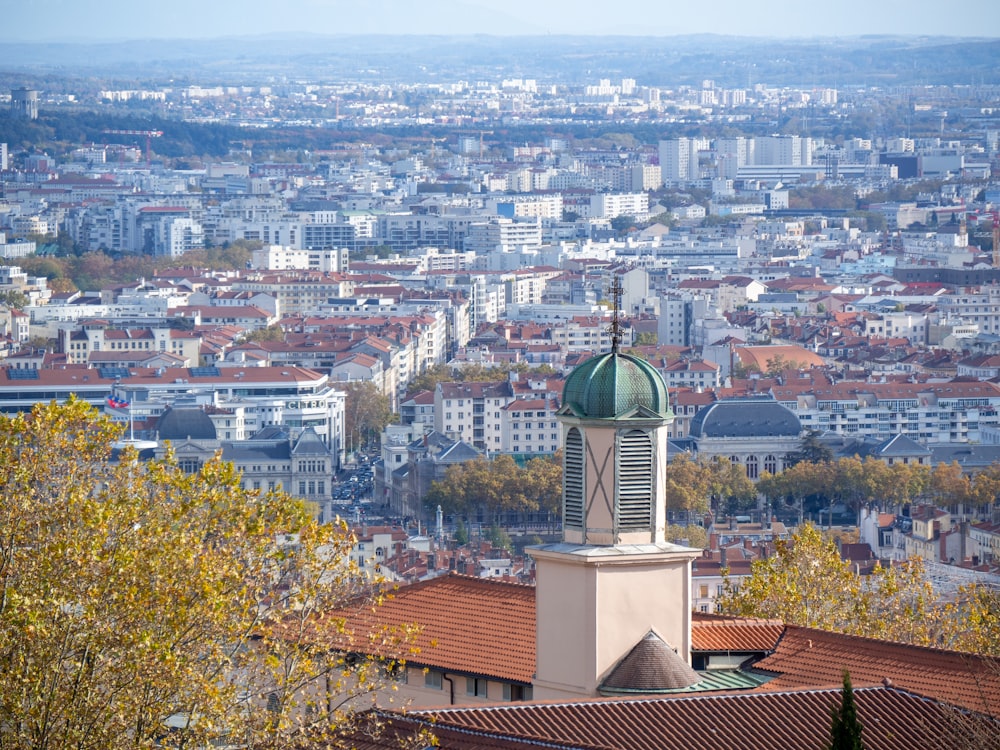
{"x":807,"y":583}
{"x":141,"y":606}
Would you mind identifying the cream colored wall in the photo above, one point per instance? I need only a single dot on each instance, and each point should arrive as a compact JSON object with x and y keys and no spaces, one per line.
{"x":565,"y":625}
{"x":592,"y":610}
{"x":413,"y":692}
{"x":599,"y":485}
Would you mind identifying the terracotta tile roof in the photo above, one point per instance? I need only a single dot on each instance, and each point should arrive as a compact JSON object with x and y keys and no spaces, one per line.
{"x":806,"y":657}
{"x":722,"y":633}
{"x":468,"y":625}
{"x":891,"y":719}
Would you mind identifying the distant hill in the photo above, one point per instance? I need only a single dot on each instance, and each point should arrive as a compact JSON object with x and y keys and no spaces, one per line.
{"x":657,"y":61}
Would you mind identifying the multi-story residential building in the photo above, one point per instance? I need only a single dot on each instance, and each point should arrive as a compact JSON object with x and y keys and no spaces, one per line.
{"x":528,"y":286}
{"x":488,"y":300}
{"x":792,"y":150}
{"x":80,"y":342}
{"x":516,"y":206}
{"x":677,"y":316}
{"x":906,"y":325}
{"x":697,"y":374}
{"x":925,"y":412}
{"x":35,"y":288}
{"x":471,"y":412}
{"x":418,"y":409}
{"x":484,"y":237}
{"x":679,"y":160}
{"x":731,"y":154}
{"x":612,"y":205}
{"x":980,"y":307}
{"x":282,"y":258}
{"x":529,"y":426}
{"x":16,"y":248}
{"x":582,"y":334}
{"x":297,"y":292}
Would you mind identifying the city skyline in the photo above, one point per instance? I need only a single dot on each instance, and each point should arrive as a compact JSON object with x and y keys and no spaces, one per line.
{"x":112,"y":20}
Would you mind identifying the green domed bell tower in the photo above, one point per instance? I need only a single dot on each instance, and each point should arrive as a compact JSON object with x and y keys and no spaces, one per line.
{"x":613,"y":577}
{"x":615,"y":416}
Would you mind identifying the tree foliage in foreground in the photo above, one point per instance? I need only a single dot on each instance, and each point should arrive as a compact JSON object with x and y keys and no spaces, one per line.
{"x":132,"y":593}
{"x":805,"y":582}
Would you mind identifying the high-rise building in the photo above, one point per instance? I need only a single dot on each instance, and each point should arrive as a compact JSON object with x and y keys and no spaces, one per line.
{"x":731,"y":154}
{"x":785,"y":150}
{"x":3,"y":156}
{"x":679,"y":160}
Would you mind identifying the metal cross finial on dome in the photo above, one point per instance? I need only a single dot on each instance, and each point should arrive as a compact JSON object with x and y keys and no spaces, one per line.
{"x":616,"y":324}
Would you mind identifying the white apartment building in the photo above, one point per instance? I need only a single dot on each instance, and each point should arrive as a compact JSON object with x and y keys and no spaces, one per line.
{"x":582,"y":334}
{"x":176,"y":236}
{"x":16,"y":249}
{"x":697,"y":374}
{"x":488,"y":300}
{"x":731,"y":154}
{"x":529,"y":426}
{"x":645,"y":177}
{"x":976,"y":307}
{"x":500,"y":233}
{"x":788,"y":150}
{"x":954,"y":412}
{"x":612,"y":205}
{"x":679,"y":160}
{"x":518,"y":206}
{"x":284,"y":258}
{"x":472,"y":412}
{"x":297,"y":292}
{"x":911,"y":326}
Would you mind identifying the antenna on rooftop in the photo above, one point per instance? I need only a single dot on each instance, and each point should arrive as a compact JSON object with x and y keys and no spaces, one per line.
{"x":615,"y":328}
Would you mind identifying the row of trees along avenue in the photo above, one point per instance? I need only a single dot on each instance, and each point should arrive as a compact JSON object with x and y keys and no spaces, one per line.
{"x":141,"y":606}
{"x":490,"y":488}
{"x":694,"y":486}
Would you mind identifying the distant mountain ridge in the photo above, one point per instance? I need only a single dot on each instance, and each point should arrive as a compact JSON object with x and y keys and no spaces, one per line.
{"x":656,"y":61}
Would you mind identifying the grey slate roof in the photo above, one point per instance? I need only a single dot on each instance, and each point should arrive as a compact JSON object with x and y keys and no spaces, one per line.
{"x":183,"y":423}
{"x":650,"y":667}
{"x":749,"y":418}
{"x":243,"y":451}
{"x":310,"y":444}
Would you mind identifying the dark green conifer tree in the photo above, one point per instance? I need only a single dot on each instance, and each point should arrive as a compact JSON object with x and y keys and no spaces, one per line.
{"x":845,"y":732}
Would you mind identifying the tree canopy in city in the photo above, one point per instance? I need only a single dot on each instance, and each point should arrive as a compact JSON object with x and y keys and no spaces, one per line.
{"x":141,"y":606}
{"x":806,"y":582}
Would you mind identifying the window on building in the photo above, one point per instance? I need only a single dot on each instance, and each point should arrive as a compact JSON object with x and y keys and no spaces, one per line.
{"x":517,"y":692}
{"x":475,"y":686}
{"x":573,"y":479}
{"x":432,"y":679}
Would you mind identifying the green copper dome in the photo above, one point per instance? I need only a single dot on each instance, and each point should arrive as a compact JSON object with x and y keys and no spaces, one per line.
{"x":611,"y":384}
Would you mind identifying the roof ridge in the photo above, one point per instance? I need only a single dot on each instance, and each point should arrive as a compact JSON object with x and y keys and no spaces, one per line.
{"x":885,"y":641}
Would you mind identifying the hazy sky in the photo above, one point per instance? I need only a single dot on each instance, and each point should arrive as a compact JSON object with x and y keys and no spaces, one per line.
{"x":93,"y":20}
